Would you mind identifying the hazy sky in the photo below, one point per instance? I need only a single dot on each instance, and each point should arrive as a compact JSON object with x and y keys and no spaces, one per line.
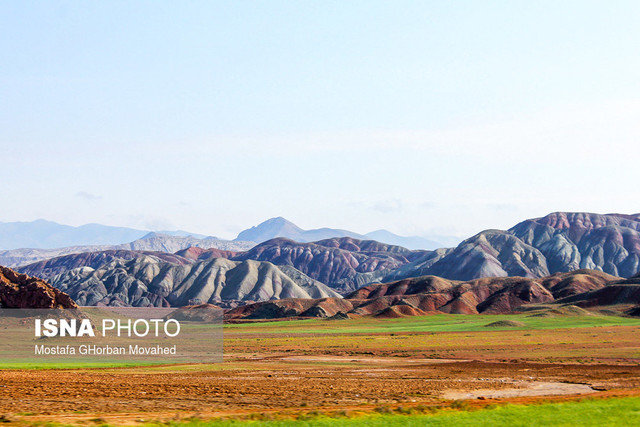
{"x":420,"y":117}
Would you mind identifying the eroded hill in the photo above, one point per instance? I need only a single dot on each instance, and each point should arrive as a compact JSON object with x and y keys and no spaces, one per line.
{"x":342,"y":263}
{"x":432,"y":294}
{"x":151,"y":279}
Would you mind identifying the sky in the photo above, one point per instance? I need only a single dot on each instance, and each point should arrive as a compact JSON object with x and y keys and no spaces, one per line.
{"x":423,"y":118}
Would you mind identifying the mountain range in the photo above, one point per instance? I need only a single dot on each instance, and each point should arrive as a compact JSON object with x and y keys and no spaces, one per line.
{"x":280,"y":227}
{"x":560,"y":242}
{"x":43,"y":234}
{"x":149,"y":242}
{"x":342,"y":264}
{"x":26,"y":242}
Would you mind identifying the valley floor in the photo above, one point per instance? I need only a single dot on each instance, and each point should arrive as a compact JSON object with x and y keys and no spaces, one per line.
{"x":312,"y":369}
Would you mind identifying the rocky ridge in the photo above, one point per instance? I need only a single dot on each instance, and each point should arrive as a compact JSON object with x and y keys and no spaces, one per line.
{"x":22,"y":291}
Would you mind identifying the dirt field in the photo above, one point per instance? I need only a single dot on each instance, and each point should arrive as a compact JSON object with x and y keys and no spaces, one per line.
{"x":273,"y":371}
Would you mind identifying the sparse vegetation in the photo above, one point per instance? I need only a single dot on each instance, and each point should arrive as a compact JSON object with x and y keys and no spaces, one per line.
{"x":588,"y":412}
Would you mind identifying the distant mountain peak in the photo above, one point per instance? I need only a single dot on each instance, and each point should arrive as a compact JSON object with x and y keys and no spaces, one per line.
{"x":281,"y":227}
{"x":152,"y":234}
{"x":277,"y":221}
{"x":269,"y":229}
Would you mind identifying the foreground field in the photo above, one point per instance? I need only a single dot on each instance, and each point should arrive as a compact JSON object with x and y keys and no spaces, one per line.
{"x":298,"y":369}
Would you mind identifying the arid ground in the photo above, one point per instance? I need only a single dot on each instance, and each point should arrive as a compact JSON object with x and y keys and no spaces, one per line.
{"x":288,"y":368}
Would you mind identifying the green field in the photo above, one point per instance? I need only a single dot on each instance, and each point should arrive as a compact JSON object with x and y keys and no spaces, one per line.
{"x":442,"y":335}
{"x":432,"y":323}
{"x":609,"y":412}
